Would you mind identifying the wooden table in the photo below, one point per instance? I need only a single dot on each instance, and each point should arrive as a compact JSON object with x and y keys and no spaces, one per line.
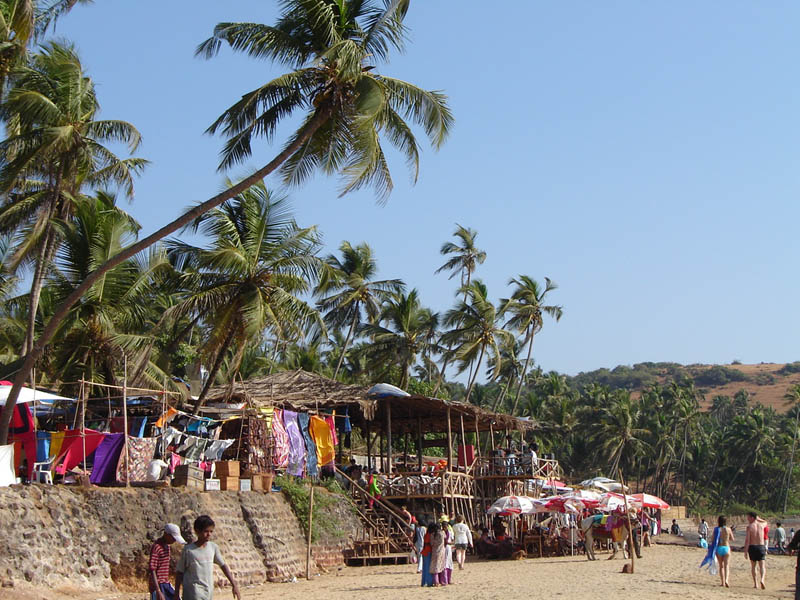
{"x":530,"y":540}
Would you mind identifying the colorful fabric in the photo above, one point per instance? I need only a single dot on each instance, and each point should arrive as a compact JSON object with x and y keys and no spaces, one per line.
{"x":330,"y":420}
{"x":56,"y":441}
{"x":311,"y":448}
{"x":712,"y":550}
{"x":321,"y":433}
{"x":7,"y":473}
{"x":166,"y":417}
{"x":280,"y":456}
{"x":22,"y":434}
{"x":106,"y":458}
{"x":297,"y":447}
{"x":42,"y":445}
{"x":140,"y":453}
{"x":73,"y":448}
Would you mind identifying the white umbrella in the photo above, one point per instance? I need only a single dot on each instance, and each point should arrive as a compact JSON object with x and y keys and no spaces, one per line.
{"x":612,"y":502}
{"x":603,"y":483}
{"x":512,"y":505}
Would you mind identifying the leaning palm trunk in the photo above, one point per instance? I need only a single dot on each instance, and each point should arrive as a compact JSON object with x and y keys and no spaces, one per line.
{"x":522,"y":376}
{"x":347,"y":341}
{"x":475,"y":375}
{"x":212,"y":375}
{"x":42,"y":261}
{"x":61,"y":312}
{"x":791,"y":462}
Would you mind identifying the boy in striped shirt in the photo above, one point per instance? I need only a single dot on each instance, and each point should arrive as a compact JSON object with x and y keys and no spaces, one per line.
{"x":158,"y":569}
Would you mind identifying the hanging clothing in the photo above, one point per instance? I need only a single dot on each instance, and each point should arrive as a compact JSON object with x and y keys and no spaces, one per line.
{"x":118,"y":425}
{"x":106,"y":458}
{"x":311,"y":448}
{"x":280,"y":456}
{"x":196,"y":450}
{"x":166,"y":417}
{"x":174,"y":461}
{"x":321,"y":433}
{"x":331,"y":421}
{"x":22,"y":433}
{"x":74,"y":452}
{"x":216,"y":448}
{"x":7,"y":473}
{"x":56,"y":441}
{"x":297,"y":447}
{"x":42,"y":445}
{"x":137,"y":426}
{"x":140,"y":452}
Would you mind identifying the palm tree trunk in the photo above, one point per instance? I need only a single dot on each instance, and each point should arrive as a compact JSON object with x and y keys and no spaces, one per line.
{"x":212,"y":375}
{"x":791,"y":460}
{"x":475,"y":375}
{"x":61,"y":312}
{"x":522,"y":375}
{"x":441,"y":374}
{"x":42,"y":262}
{"x":347,"y":342}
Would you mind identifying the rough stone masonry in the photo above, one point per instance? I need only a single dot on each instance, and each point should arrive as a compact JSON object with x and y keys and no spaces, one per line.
{"x":99,"y":538}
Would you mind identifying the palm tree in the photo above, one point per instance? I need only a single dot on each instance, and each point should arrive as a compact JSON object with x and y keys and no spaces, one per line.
{"x":792,"y":398}
{"x":510,"y":368}
{"x":466,"y":256}
{"x":332,"y":47}
{"x":408,"y":326}
{"x":475,"y":331}
{"x":350,"y":294}
{"x":57,"y":150}
{"x":108,"y":322}
{"x":526,"y":307}
{"x":617,"y":433}
{"x":250,"y":277}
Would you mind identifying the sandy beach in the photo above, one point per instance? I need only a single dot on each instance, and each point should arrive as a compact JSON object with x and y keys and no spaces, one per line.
{"x":665,"y":571}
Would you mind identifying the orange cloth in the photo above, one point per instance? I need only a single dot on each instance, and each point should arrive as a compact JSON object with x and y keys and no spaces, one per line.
{"x":321,"y":432}
{"x":166,"y":417}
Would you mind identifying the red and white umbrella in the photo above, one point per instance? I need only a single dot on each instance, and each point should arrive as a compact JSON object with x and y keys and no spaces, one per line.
{"x":512,"y":505}
{"x":649,"y":501}
{"x":612,"y":501}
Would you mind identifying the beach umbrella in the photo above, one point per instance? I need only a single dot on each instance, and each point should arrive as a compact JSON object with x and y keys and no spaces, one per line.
{"x":560,"y":504}
{"x":650,"y":501}
{"x":603,"y":483}
{"x":589,"y":498}
{"x":512,"y":505}
{"x":612,"y":501}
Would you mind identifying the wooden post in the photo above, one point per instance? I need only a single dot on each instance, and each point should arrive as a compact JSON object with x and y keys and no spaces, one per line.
{"x":369,"y":447}
{"x":449,"y":442}
{"x":389,"y":464}
{"x":83,"y":429}
{"x":125,"y":420}
{"x":310,"y":525}
{"x":632,"y":548}
{"x":419,"y":443}
{"x":477,"y":438}
{"x":381,"y":464}
{"x":464,"y":442}
{"x":491,"y":433}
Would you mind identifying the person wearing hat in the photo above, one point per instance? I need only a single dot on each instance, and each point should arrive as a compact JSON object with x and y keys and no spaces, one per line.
{"x":158,"y":568}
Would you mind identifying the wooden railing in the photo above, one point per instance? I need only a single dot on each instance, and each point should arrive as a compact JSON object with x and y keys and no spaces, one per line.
{"x":518,"y":467}
{"x":443,"y":483}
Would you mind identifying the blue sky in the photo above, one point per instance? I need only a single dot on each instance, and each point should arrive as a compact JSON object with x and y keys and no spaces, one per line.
{"x":642,"y":155}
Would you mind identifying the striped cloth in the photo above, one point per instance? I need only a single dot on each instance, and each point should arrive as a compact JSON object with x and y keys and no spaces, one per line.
{"x":280,"y":458}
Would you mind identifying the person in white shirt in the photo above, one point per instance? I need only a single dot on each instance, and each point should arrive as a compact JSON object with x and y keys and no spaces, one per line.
{"x":534,"y":457}
{"x":702,"y":530}
{"x":463,"y":539}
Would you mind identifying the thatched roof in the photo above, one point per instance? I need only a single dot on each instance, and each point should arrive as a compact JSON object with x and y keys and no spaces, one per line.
{"x":295,"y":390}
{"x":300,"y":390}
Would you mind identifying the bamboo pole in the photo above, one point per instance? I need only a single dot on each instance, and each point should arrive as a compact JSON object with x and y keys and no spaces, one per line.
{"x":310,"y":525}
{"x":389,"y":437}
{"x":449,"y":441}
{"x":464,"y":442}
{"x":83,"y":430}
{"x":125,"y":420}
{"x":419,"y":443}
{"x":632,"y":548}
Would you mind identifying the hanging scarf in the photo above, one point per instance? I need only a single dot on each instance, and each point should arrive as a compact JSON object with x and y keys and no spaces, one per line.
{"x":712,"y":550}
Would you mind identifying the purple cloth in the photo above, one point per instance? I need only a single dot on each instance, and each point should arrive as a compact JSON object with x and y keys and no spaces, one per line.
{"x":106,"y":458}
{"x":297,"y":447}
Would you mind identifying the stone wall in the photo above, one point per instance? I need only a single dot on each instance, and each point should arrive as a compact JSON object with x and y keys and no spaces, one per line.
{"x":100,"y":537}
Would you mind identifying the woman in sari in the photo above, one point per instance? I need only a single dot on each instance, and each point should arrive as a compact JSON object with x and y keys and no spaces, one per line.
{"x":427,"y":574}
{"x":438,"y":556}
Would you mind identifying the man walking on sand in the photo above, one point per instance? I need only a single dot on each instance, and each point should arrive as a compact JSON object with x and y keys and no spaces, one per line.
{"x":755,"y":549}
{"x":158,"y":568}
{"x":195,"y":569}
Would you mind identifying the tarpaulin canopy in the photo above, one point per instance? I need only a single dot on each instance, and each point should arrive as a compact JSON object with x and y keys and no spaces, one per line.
{"x":27,"y":395}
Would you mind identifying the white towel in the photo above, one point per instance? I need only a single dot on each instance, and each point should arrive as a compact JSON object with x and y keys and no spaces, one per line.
{"x":7,"y":476}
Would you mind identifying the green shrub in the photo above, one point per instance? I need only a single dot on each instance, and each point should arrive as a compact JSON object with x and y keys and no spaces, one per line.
{"x":297,"y":492}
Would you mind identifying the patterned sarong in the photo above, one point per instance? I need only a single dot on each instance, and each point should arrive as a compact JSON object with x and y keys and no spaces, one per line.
{"x":297,"y":447}
{"x":311,"y":447}
{"x":141,"y":452}
{"x":280,"y":458}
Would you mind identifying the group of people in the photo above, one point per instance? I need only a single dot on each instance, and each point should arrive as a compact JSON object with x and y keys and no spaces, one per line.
{"x":436,"y":544}
{"x":755,"y":548}
{"x":194,"y":572}
{"x":513,"y":460}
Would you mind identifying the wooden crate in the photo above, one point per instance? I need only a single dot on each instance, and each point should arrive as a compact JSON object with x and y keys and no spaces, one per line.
{"x":229,"y":483}
{"x":227,"y":468}
{"x":189,"y":484}
{"x":257,"y":484}
{"x":184,"y":472}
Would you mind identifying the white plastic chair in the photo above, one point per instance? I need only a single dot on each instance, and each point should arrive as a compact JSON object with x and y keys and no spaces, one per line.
{"x":43,"y":470}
